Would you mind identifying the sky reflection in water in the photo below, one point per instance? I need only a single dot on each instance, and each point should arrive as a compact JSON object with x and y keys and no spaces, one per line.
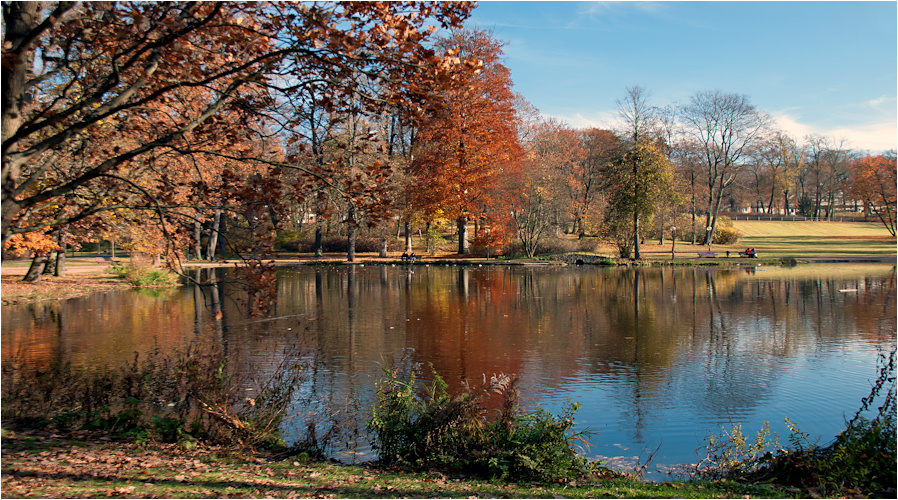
{"x":656,"y":357}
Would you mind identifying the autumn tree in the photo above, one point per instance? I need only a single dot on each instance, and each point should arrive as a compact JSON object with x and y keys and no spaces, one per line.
{"x":581,"y":180}
{"x":634,"y":194}
{"x":464,"y":148}
{"x":874,"y":180}
{"x":824,"y":175}
{"x":725,"y":128}
{"x":553,"y":151}
{"x":638,"y":119}
{"x":93,"y":92}
{"x":778,"y":162}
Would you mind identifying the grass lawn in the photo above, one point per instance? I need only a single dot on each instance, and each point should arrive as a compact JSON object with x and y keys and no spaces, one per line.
{"x":774,"y":229}
{"x":775,"y":240}
{"x":815,"y":239}
{"x":53,"y":467}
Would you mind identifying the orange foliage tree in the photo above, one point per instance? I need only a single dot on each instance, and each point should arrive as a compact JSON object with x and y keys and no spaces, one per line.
{"x":468,"y":147}
{"x":553,"y":153}
{"x":99,"y":98}
{"x":873,"y":179}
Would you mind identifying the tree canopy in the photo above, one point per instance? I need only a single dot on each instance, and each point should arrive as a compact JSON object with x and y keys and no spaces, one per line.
{"x":98,"y":97}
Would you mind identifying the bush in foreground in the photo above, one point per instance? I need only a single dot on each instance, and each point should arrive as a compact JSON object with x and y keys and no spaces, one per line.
{"x":862,"y":459}
{"x":422,"y":426}
{"x":182,"y":398}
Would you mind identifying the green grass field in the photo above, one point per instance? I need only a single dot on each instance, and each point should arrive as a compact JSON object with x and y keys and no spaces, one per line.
{"x":814,"y":239}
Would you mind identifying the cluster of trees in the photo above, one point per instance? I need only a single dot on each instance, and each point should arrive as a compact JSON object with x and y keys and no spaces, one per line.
{"x":160,"y":121}
{"x":197,"y":129}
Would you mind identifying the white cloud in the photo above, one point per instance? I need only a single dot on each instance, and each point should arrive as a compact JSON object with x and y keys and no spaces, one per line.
{"x":876,"y":103}
{"x":602,"y":119}
{"x":873,"y":137}
{"x":793,"y":127}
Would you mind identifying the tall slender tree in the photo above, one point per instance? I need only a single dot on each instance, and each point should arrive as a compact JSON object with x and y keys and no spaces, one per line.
{"x":636,"y":114}
{"x":638,"y":191}
{"x":464,"y":148}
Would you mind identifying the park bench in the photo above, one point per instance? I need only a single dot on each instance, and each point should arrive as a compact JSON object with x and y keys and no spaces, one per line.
{"x":706,"y":254}
{"x":749,"y":255}
{"x":107,"y":260}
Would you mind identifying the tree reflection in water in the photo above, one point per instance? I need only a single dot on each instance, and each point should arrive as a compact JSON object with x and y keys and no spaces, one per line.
{"x":654,"y":355}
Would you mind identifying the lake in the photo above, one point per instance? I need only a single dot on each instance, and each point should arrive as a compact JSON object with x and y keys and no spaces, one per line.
{"x":658,"y":358}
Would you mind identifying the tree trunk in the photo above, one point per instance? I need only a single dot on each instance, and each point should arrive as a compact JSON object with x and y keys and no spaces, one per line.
{"x":19,"y":21}
{"x":350,"y":234}
{"x":462,"y":225}
{"x":220,"y":236}
{"x":429,"y":243}
{"x":319,"y":250}
{"x":715,"y":201}
{"x":197,"y":240}
{"x":817,"y":197}
{"x":350,"y":251}
{"x":408,"y":238}
{"x":636,"y":193}
{"x":60,"y":256}
{"x":383,"y":247}
{"x":50,"y":266}
{"x":692,"y":180}
{"x":37,"y":267}
{"x":213,"y":235}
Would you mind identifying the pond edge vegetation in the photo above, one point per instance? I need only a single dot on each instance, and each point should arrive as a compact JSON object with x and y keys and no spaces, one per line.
{"x":189,"y":400}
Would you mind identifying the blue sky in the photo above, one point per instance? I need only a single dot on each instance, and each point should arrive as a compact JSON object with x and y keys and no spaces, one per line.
{"x":828,"y":68}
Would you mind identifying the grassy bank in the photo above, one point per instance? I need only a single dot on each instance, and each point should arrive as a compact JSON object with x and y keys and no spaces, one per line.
{"x":778,"y":240}
{"x":816,"y":239}
{"x":50,"y":466}
{"x":15,"y":291}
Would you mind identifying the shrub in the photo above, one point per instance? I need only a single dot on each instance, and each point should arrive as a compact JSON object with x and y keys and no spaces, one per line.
{"x":862,"y":458}
{"x":433,"y":240}
{"x":422,"y":426}
{"x":179,"y":398}
{"x":806,"y":205}
{"x":724,"y":231}
{"x":727,"y":236}
{"x":731,"y":452}
{"x":286,"y":239}
{"x":554,"y":246}
{"x":140,"y":272}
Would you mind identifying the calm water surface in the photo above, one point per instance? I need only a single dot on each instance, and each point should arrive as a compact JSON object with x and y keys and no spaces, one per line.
{"x":657,"y":358}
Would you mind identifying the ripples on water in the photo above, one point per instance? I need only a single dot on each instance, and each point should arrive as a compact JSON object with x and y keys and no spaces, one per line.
{"x":655,"y":357}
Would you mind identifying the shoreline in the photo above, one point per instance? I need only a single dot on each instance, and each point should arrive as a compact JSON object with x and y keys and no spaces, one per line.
{"x":46,"y":464}
{"x":84,"y":277}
